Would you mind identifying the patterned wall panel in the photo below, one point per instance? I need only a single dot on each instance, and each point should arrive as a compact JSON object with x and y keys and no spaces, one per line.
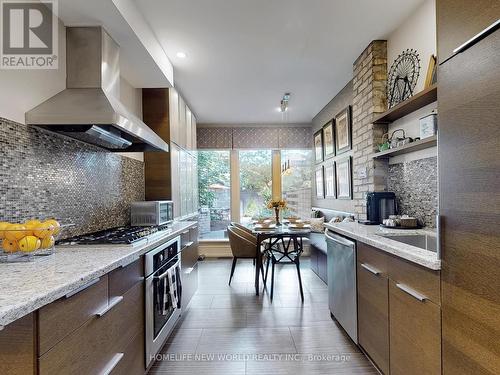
{"x":252,"y":138}
{"x":44,"y":175}
{"x":214,"y":137}
{"x":295,"y":138}
{"x":247,"y":137}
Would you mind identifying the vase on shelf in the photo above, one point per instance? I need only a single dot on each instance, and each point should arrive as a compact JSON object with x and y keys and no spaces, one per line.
{"x":277,"y":213}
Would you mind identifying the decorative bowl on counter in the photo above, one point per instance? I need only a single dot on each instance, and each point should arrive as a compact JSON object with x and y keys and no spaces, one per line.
{"x":21,"y":242}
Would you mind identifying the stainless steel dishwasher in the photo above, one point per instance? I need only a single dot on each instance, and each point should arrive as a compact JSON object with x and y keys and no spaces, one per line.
{"x":341,"y":260}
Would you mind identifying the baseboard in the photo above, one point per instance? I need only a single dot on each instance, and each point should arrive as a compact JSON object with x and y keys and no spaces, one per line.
{"x":215,"y":249}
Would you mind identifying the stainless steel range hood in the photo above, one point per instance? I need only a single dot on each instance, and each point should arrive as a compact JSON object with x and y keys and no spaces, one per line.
{"x":89,"y":108}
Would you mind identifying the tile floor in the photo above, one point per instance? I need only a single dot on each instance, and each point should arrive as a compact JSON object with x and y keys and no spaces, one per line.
{"x":229,"y":330}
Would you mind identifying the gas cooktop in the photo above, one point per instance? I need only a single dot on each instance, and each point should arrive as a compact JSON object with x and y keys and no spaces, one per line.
{"x":116,"y":236}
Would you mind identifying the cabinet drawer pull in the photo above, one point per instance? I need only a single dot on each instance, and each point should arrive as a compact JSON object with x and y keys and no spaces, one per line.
{"x":476,"y":38}
{"x":115,"y":301}
{"x":188,"y":244}
{"x":370,"y":269}
{"x":411,"y":292}
{"x":82,"y":288}
{"x":112,"y":364}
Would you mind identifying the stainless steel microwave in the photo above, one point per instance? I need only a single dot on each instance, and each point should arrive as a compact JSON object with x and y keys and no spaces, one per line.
{"x":151,"y":213}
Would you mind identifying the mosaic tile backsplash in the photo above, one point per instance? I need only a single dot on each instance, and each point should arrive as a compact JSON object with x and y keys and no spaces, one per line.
{"x":45,"y":175}
{"x":415,"y":184}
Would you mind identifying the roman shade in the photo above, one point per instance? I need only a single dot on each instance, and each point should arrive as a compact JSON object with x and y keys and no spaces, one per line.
{"x":253,"y":137}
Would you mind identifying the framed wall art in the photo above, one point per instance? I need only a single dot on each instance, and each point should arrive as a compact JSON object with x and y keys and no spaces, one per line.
{"x":319,"y":183}
{"x":344,"y":178}
{"x":328,"y":140}
{"x":343,"y":130}
{"x":318,"y":146}
{"x":329,"y":176}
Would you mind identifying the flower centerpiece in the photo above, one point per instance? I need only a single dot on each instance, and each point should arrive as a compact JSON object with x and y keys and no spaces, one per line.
{"x":277,"y":205}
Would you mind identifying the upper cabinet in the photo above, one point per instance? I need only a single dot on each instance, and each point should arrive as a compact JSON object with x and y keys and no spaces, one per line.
{"x":173,"y":102}
{"x":173,"y":175}
{"x":193,"y":132}
{"x":460,"y":20}
{"x":166,"y":112}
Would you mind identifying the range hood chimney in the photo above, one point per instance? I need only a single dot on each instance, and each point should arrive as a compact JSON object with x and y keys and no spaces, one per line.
{"x":89,"y":108}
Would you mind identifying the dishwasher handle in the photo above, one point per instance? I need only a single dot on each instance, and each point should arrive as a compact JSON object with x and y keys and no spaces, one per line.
{"x":339,"y":239}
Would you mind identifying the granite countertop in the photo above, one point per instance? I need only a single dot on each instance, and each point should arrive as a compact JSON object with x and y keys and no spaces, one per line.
{"x":372,"y":235}
{"x":25,"y":287}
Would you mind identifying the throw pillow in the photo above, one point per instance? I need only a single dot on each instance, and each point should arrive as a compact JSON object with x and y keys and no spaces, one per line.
{"x":336,"y":219}
{"x":348,"y":219}
{"x":317,"y":225}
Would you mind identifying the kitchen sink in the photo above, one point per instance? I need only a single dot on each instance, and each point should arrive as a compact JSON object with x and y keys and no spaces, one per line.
{"x":422,"y":241}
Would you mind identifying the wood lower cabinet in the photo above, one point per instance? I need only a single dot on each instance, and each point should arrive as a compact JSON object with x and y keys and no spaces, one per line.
{"x":189,"y":266}
{"x":60,"y":318}
{"x":373,"y":314}
{"x":98,"y":329}
{"x":415,"y":333}
{"x":399,"y":313}
{"x":18,"y":347}
{"x":103,"y":341}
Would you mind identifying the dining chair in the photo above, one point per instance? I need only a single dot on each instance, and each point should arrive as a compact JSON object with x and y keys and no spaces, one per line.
{"x":243,"y":246}
{"x":284,"y":255}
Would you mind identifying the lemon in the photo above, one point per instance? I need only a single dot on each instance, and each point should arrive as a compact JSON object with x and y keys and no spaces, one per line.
{"x":15,"y":232}
{"x":10,"y":246}
{"x":29,"y":244}
{"x":55,"y":224}
{"x":48,"y":242}
{"x":3,"y":225}
{"x":30,"y":225}
{"x":43,"y":230}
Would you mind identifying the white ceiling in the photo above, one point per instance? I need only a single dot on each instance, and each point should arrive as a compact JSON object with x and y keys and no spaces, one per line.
{"x":244,"y":54}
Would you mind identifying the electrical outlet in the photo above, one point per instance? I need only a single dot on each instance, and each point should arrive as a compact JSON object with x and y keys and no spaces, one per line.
{"x":362,"y":172}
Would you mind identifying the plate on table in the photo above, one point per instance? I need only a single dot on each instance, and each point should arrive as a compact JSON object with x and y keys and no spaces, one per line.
{"x":295,"y":226}
{"x":265,"y":226}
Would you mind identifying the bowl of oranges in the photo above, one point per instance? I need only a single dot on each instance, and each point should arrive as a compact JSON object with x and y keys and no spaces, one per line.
{"x":23,"y":241}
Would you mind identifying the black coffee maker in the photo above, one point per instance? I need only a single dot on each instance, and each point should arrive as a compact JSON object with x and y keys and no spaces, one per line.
{"x":379,"y":206}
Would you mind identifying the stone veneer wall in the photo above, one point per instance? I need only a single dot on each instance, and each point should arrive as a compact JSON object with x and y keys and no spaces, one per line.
{"x":369,"y":99}
{"x":416,"y":187}
{"x":45,"y":175}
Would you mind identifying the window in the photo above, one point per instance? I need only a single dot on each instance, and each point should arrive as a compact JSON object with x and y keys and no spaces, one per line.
{"x":252,"y":176}
{"x":214,"y":184}
{"x":255,"y":183}
{"x":296,"y":181}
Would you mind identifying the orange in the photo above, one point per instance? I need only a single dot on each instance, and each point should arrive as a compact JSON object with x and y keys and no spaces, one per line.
{"x":15,"y":232}
{"x":55,"y":223}
{"x":10,"y":246}
{"x":3,"y":225}
{"x":29,"y":244}
{"x":48,"y":242}
{"x":43,"y":230}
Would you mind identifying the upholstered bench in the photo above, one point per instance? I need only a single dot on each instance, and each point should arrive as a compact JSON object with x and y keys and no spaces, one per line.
{"x":317,"y":243}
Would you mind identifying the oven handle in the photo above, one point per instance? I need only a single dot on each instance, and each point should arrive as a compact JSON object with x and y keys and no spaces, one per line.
{"x":165,"y":274}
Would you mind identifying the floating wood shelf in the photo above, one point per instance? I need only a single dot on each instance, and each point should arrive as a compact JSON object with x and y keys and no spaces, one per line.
{"x":410,"y":105}
{"x":410,"y":147}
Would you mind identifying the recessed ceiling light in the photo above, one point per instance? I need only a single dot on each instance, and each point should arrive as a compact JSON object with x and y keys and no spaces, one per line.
{"x":181,"y":55}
